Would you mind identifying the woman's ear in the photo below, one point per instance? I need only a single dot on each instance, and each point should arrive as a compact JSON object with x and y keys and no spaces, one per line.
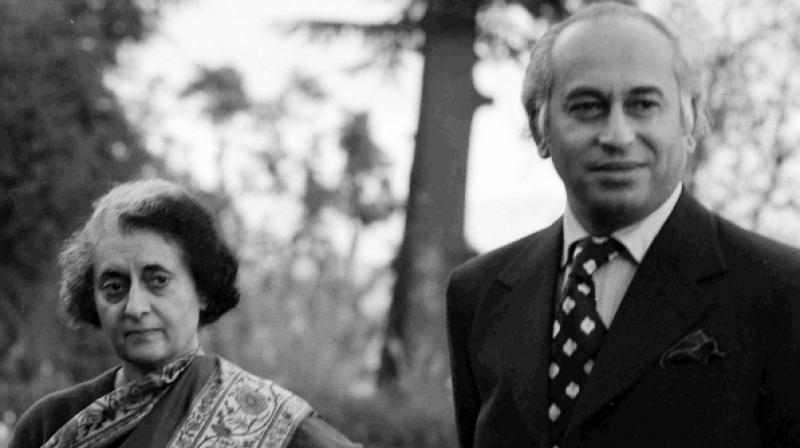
{"x":543,"y":149}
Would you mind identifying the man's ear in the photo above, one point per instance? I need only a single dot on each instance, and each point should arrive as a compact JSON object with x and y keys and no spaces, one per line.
{"x":689,"y":117}
{"x":537,"y":125}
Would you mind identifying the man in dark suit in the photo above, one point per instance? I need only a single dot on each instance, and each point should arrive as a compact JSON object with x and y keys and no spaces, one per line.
{"x":639,"y":318}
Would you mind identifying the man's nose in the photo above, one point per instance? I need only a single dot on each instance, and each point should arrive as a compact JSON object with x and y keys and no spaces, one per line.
{"x":617,"y":132}
{"x":138,"y":303}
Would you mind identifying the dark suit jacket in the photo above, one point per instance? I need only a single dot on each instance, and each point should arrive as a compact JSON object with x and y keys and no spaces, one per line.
{"x":701,"y":273}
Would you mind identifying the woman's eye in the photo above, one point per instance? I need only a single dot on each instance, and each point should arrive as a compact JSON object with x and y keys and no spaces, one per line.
{"x":158,"y":280}
{"x":112,"y":286}
{"x":113,"y":289}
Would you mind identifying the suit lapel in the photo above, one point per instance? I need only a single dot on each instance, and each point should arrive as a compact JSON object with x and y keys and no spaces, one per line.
{"x":529,"y":286}
{"x":660,"y":306}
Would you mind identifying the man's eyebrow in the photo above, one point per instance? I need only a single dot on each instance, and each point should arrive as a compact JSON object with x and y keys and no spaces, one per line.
{"x":647,"y":90}
{"x":580,"y":91}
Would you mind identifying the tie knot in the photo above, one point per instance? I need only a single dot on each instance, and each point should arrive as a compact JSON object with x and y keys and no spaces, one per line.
{"x":589,"y":253}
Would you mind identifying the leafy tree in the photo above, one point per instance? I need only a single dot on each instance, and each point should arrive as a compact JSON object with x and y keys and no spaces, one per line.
{"x":445,"y":33}
{"x":63,"y":141}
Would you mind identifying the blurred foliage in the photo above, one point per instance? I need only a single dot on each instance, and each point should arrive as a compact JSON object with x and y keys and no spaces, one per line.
{"x":63,"y":141}
{"x":223,"y":90}
{"x":422,"y":420}
{"x":747,"y":168}
{"x":364,"y":192}
{"x":498,"y":34}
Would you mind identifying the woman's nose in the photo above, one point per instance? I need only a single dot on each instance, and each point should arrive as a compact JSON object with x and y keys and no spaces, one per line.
{"x":138,"y":303}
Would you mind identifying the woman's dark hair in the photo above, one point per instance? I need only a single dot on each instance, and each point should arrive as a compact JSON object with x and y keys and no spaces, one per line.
{"x":169,"y":210}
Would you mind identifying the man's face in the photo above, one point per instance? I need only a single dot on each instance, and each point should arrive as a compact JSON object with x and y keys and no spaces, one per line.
{"x":616,"y":135}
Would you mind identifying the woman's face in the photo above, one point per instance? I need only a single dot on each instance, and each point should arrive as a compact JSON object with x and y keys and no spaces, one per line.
{"x":146,"y":298}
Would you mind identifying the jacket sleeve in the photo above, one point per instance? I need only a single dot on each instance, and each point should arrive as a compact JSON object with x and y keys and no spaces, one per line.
{"x":460,"y":312}
{"x":779,"y":398}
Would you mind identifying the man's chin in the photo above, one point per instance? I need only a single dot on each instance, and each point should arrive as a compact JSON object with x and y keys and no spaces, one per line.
{"x":619,"y":210}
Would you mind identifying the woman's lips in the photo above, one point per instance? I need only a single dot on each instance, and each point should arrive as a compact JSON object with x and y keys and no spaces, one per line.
{"x":142,"y":332}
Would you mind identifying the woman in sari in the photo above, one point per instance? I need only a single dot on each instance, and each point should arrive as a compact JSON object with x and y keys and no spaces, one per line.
{"x":149,"y":269}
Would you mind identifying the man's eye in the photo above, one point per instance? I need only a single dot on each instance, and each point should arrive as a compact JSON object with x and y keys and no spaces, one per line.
{"x":643,"y":105}
{"x":586,"y":109}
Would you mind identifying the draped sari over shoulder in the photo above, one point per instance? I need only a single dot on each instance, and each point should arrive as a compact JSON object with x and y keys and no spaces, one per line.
{"x":195,"y":401}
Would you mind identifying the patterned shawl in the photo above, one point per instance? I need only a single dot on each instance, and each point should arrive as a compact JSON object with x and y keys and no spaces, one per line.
{"x":234,"y":408}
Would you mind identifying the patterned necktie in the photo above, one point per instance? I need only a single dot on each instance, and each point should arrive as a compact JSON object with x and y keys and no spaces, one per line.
{"x":577,"y":330}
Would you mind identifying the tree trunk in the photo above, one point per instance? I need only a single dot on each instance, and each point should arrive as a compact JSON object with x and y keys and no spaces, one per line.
{"x":433,"y":241}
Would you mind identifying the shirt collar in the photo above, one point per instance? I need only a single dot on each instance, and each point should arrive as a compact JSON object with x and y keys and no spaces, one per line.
{"x":636,"y":237}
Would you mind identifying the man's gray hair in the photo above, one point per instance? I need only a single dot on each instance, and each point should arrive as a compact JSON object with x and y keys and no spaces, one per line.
{"x":539,"y":76}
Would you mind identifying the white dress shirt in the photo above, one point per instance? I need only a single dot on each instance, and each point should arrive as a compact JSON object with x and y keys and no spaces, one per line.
{"x":613,"y":278}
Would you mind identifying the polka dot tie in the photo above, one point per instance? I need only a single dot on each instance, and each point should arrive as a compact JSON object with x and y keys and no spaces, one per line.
{"x":577,"y":330}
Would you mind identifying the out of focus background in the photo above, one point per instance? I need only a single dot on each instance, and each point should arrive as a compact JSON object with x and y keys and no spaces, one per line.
{"x":353,"y":151}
